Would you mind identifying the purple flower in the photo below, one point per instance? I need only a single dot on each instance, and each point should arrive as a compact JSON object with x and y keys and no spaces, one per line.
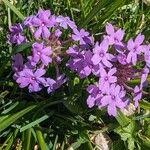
{"x":42,"y":24}
{"x":95,"y":95}
{"x":147,"y":55}
{"x":101,"y":55}
{"x":106,"y":79}
{"x":60,"y":80}
{"x":64,"y":22}
{"x":144,"y":76}
{"x":114,"y":37}
{"x":114,"y":99}
{"x":135,"y":48}
{"x":31,"y":79}
{"x":122,"y":59}
{"x":81,"y":62}
{"x":80,"y":35}
{"x":50,"y":84}
{"x":16,"y":36}
{"x":137,"y":95}
{"x":17,"y":64}
{"x":41,"y":53}
{"x":28,"y":21}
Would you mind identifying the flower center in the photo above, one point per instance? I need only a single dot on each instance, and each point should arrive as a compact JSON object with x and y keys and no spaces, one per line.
{"x":42,"y":25}
{"x":33,"y":78}
{"x":113,"y":97}
{"x":101,"y":54}
{"x":39,"y":53}
{"x":106,"y":78}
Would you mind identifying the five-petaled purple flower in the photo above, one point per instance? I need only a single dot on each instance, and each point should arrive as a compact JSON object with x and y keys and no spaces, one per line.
{"x":101,"y":55}
{"x":80,"y":35}
{"x":106,"y":79}
{"x":42,"y":24}
{"x":114,"y":99}
{"x":32,"y":79}
{"x":41,"y":53}
{"x":134,"y":48}
{"x":114,"y":37}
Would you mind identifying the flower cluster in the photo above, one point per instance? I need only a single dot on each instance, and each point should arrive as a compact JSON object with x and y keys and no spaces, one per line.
{"x":48,"y":42}
{"x":115,"y":64}
{"x":112,"y":61}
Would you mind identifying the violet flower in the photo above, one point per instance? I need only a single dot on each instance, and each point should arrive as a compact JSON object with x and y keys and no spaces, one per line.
{"x":106,"y":79}
{"x":31,"y":79}
{"x":64,"y":22}
{"x":50,"y":84}
{"x":114,"y":37}
{"x":101,"y":55}
{"x":42,"y":24}
{"x":113,"y":100}
{"x":79,"y":35}
{"x":135,"y":48}
{"x":41,"y":53}
{"x":16,"y":36}
{"x":95,"y":95}
{"x":17,"y":64}
{"x":81,"y":62}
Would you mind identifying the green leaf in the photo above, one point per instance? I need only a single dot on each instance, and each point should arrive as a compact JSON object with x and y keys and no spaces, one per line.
{"x":3,"y":94}
{"x":40,"y":139}
{"x":6,"y":141}
{"x":122,"y":119}
{"x":145,"y":105}
{"x":145,"y":139}
{"x":22,"y":47}
{"x":56,"y":139}
{"x":101,"y":4}
{"x":109,"y":8}
{"x":11,"y":141}
{"x":108,"y":11}
{"x":12,"y":106}
{"x":37,"y":121}
{"x":14,"y":9}
{"x":11,"y":119}
{"x":73,"y":105}
{"x":28,"y":139}
{"x":127,"y":134}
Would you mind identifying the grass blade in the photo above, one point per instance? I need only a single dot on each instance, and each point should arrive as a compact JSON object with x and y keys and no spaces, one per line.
{"x":14,"y":9}
{"x":32,"y":124}
{"x":93,"y":12}
{"x":7,"y":122}
{"x":40,"y":139}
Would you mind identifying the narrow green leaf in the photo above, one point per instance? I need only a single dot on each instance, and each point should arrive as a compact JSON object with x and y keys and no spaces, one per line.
{"x":28,"y":139}
{"x":6,"y":141}
{"x":145,"y":139}
{"x":56,"y":139}
{"x":11,"y":119}
{"x":63,"y":146}
{"x":9,"y":145}
{"x":12,"y":106}
{"x":40,"y":139}
{"x":101,"y":4}
{"x":14,"y":9}
{"x":32,"y":124}
{"x":108,"y":12}
{"x":145,"y":105}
